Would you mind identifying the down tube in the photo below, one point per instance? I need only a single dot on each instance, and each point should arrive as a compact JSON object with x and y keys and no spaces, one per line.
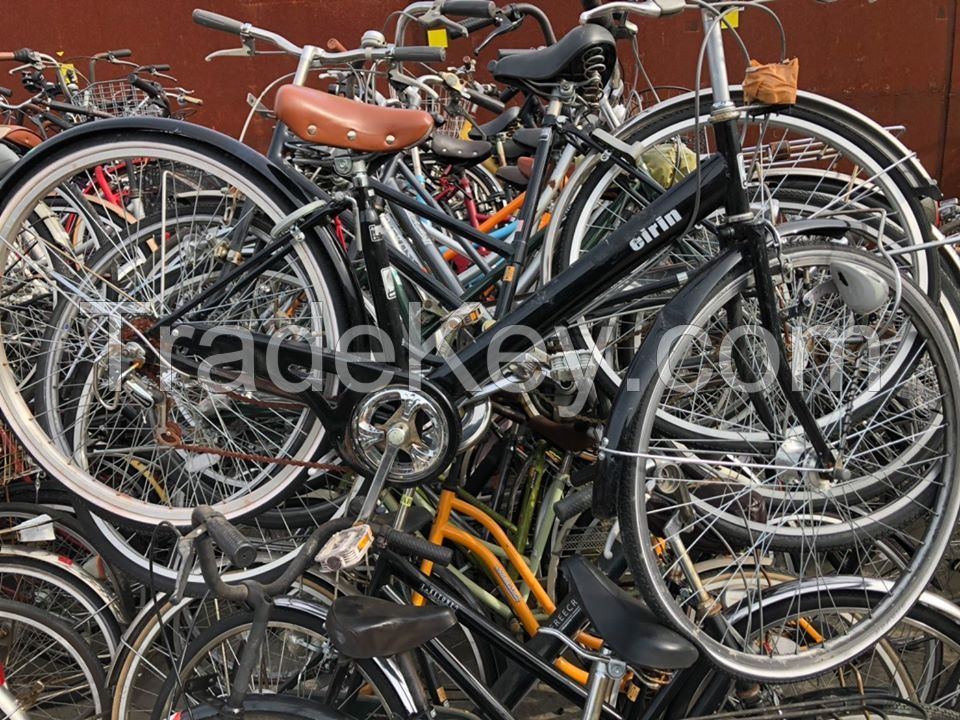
{"x":614,"y":258}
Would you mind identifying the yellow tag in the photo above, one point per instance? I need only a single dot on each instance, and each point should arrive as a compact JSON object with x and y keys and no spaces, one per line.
{"x":437,"y":38}
{"x":69,"y":72}
{"x":731,"y":20}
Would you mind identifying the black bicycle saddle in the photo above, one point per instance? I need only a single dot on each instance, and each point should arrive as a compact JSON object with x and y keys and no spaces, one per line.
{"x":562,"y":61}
{"x":496,"y":126}
{"x":460,"y":152}
{"x":367,"y":627}
{"x":628,"y":627}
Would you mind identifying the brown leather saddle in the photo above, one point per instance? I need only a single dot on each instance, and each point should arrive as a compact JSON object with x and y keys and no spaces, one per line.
{"x":324,"y":119}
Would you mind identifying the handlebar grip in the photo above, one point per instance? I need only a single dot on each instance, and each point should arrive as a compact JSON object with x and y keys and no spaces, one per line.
{"x":413,"y":545}
{"x":420,"y":54}
{"x":573,"y":504}
{"x":23,"y":55}
{"x":469,"y":8}
{"x":121,"y":53}
{"x":231,"y":541}
{"x":334,"y":45}
{"x":162,"y":67}
{"x":148,"y":87}
{"x":215,"y":21}
{"x":6,"y":92}
{"x":484,"y":101}
{"x":472,"y":26}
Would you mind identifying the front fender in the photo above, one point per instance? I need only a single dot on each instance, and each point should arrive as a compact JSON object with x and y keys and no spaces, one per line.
{"x":292,"y":186}
{"x":642,"y":372}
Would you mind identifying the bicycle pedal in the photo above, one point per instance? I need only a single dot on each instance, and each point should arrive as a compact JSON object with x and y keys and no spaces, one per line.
{"x":345,"y":549}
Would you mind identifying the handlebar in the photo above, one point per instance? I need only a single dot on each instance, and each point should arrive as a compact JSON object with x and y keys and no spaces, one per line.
{"x":246,"y":31}
{"x":648,"y":8}
{"x":573,"y":504}
{"x":231,"y":541}
{"x":215,"y":21}
{"x":480,"y":18}
{"x":110,"y":54}
{"x":242,"y":553}
{"x":485,"y":101}
{"x":469,"y":8}
{"x":419,"y":54}
{"x":151,"y":89}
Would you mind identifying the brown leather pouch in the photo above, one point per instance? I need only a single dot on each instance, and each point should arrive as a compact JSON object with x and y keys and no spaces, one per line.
{"x":772,"y":84}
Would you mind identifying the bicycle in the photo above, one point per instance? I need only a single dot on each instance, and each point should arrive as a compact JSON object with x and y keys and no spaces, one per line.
{"x":378,"y":430}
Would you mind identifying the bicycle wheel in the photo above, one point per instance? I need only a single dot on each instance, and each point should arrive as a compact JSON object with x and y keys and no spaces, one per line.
{"x":156,"y":642}
{"x":48,"y":668}
{"x":99,"y":436}
{"x":44,"y":581}
{"x":801,"y":165}
{"x":296,"y":660}
{"x":742,"y":493}
{"x":919,"y":661}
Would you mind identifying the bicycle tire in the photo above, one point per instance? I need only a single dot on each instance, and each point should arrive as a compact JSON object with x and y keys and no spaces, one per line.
{"x":84,"y":665}
{"x":52,"y":168}
{"x":637,"y":524}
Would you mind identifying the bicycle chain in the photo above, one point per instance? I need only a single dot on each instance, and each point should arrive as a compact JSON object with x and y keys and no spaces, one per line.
{"x":173,"y":438}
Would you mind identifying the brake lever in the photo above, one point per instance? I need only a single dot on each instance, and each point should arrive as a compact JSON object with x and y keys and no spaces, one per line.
{"x":241,"y":52}
{"x":504,"y":26}
{"x":434,"y":18}
{"x":187,"y":549}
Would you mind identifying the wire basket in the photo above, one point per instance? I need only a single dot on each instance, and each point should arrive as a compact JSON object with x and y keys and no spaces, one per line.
{"x":117,"y":98}
{"x":452,"y":110}
{"x":15,"y":464}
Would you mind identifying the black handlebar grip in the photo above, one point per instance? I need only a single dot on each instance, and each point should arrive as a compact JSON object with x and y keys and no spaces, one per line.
{"x":5,"y":92}
{"x":472,"y":26}
{"x":148,"y":87}
{"x":573,"y":504}
{"x":121,"y":53}
{"x":420,"y":54}
{"x":485,"y":101}
{"x":413,"y":545}
{"x":469,"y":8}
{"x":231,"y":541}
{"x":215,"y":21}
{"x":162,"y":67}
{"x":23,"y":55}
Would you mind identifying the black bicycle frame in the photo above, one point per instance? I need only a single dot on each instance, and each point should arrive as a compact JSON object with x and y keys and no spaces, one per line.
{"x":391,"y":565}
{"x":644,"y":236}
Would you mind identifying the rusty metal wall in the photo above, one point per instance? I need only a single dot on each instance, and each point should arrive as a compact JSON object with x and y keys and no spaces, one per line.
{"x":895,"y":60}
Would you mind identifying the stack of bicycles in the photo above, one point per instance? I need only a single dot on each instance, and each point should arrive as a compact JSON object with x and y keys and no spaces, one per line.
{"x":649,"y":401}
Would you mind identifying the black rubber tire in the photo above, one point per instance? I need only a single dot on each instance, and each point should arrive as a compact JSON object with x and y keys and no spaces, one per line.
{"x":635,"y":531}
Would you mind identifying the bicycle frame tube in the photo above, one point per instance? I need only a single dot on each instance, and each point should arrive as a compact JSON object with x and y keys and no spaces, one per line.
{"x":443,"y":529}
{"x":513,"y":650}
{"x":663,"y":222}
{"x":563,"y":299}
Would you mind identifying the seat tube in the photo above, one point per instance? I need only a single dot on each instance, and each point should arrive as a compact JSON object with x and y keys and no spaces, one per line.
{"x":528,"y":213}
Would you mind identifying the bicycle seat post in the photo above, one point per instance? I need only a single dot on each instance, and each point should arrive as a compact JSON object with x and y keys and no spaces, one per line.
{"x":605,"y":671}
